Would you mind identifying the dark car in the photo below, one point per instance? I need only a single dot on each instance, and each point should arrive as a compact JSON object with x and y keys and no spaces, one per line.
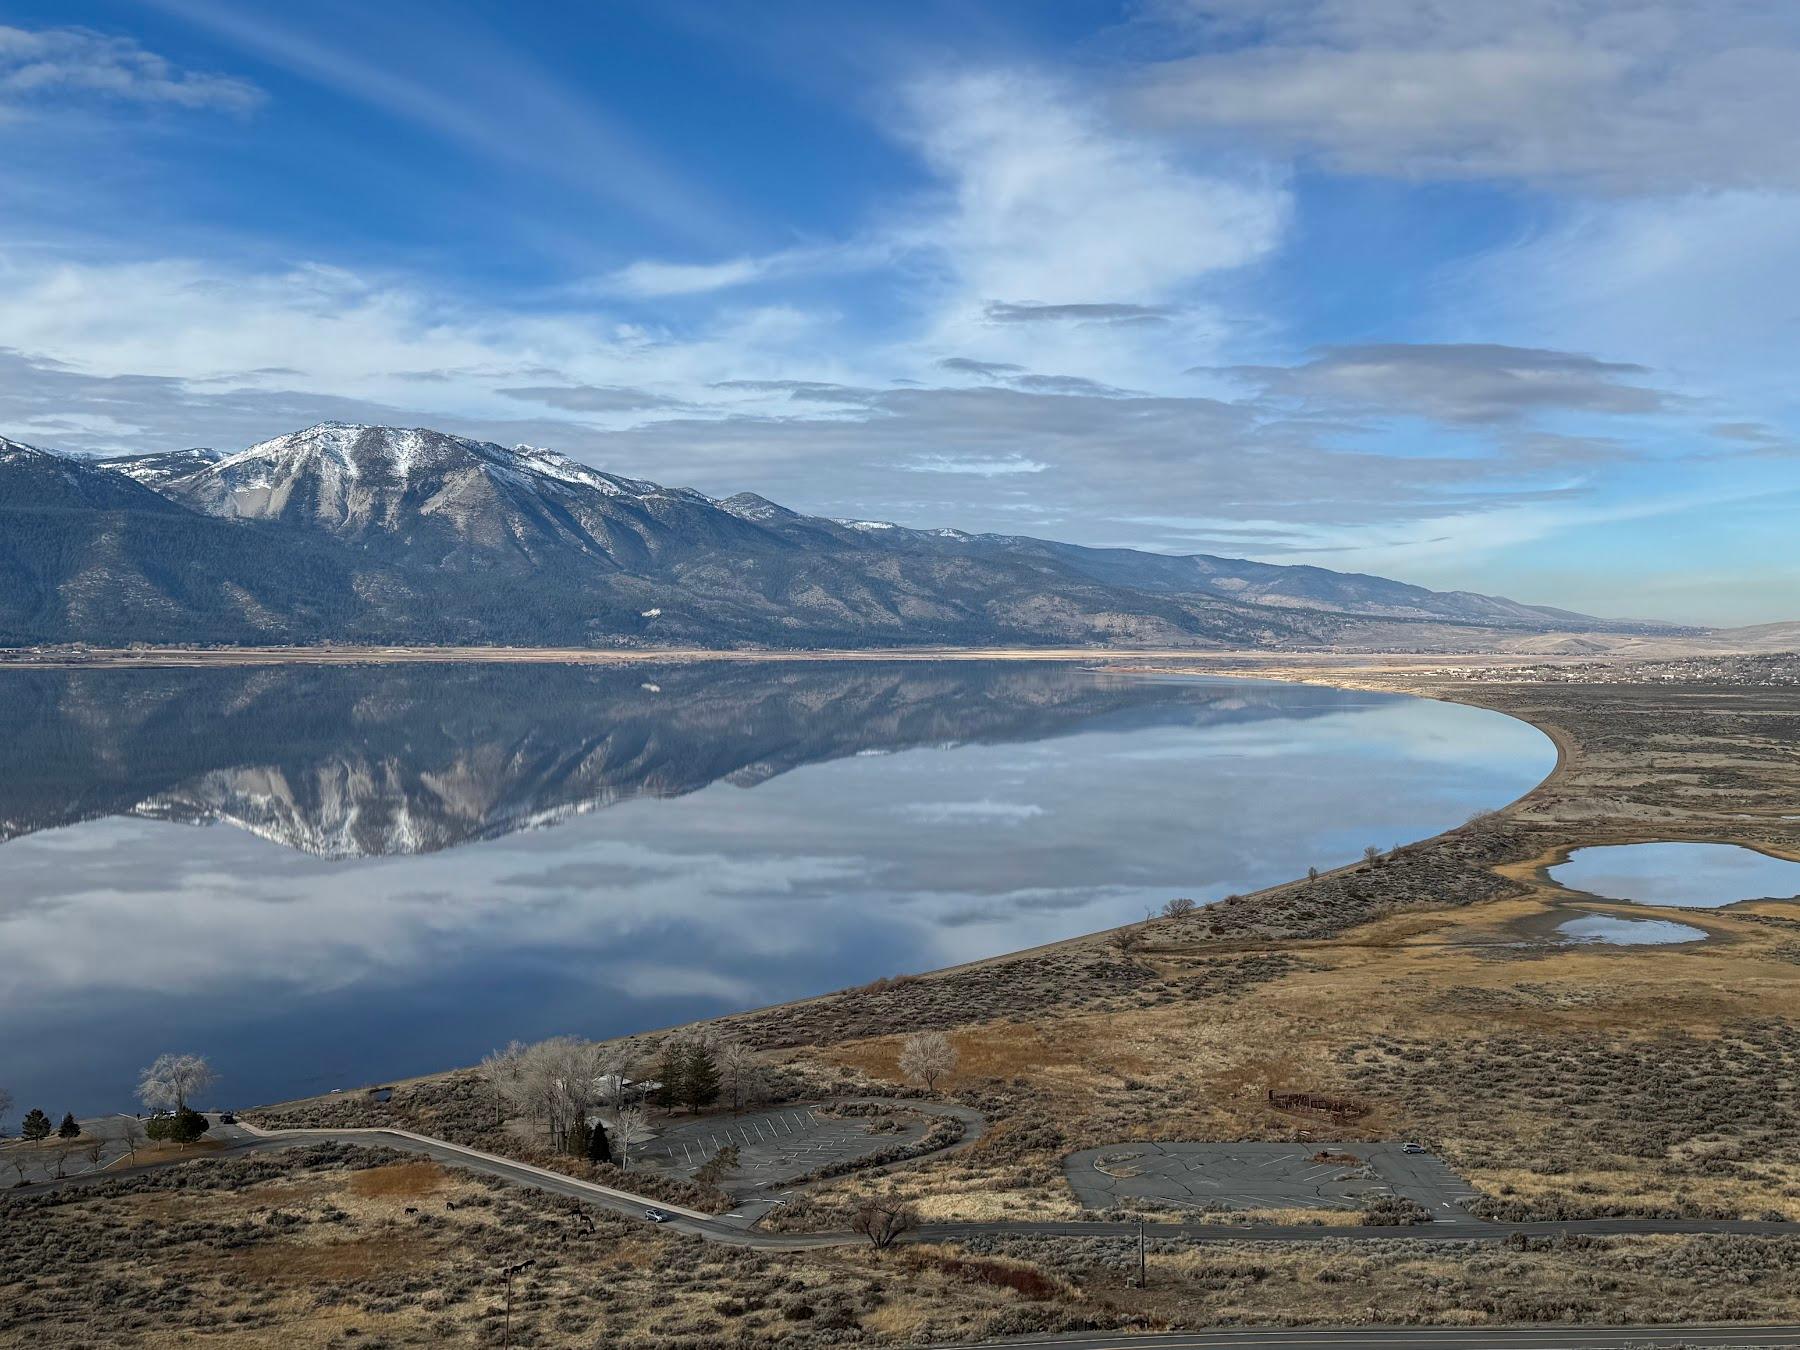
{"x":227,"y":1118}
{"x":656,"y":1216}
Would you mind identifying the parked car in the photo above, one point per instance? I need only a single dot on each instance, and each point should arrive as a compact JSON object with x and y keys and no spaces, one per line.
{"x":227,"y":1118}
{"x":656,"y":1216}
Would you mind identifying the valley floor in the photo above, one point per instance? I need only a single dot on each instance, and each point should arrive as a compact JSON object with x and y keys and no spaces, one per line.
{"x":1420,"y":992}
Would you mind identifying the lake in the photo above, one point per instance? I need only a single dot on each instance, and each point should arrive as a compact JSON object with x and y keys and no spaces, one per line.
{"x":324,"y":877}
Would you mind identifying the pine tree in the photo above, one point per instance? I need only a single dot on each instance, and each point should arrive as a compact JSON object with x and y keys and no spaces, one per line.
{"x":185,"y":1126}
{"x":700,"y":1079}
{"x":579,"y":1139}
{"x":671,"y":1073}
{"x":599,"y":1149}
{"x":68,"y":1129}
{"x":36,"y":1125}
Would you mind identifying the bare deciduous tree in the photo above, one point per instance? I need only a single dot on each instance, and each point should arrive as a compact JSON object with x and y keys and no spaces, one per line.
{"x":740,"y":1072}
{"x":95,"y":1149}
{"x":926,"y":1056}
{"x":630,"y":1126}
{"x":173,"y":1079}
{"x":500,"y":1070}
{"x":1312,"y":874}
{"x":1180,"y":907}
{"x":131,"y":1134}
{"x":1371,"y":855}
{"x":559,"y":1081}
{"x":882,"y":1220}
{"x":616,"y":1063}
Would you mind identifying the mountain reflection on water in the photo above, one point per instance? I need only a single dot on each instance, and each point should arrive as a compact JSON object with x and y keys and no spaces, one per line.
{"x":770,"y":831}
{"x":374,"y":761}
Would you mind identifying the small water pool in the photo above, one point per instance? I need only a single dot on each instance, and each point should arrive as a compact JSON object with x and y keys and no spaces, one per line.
{"x":1682,"y":876}
{"x":1627,"y":932}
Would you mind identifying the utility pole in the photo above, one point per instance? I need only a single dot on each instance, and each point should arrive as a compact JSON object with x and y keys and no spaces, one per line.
{"x":510,"y":1272}
{"x":1143,"y":1272}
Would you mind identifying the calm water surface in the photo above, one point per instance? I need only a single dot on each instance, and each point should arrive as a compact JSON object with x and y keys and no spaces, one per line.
{"x":1617,"y":932}
{"x":1682,"y":876}
{"x":323,"y":878}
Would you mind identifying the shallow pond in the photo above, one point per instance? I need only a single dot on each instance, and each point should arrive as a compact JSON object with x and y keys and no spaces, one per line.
{"x":1627,"y":932}
{"x":328,"y":877}
{"x":1679,"y":875}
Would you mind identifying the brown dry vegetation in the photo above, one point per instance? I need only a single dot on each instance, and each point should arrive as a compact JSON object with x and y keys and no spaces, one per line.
{"x":334,"y":1246}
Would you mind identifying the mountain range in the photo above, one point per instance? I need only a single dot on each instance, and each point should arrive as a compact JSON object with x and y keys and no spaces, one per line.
{"x":390,"y":535}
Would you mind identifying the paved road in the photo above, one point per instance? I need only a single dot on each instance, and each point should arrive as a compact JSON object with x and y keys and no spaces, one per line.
{"x":1415,"y":1338}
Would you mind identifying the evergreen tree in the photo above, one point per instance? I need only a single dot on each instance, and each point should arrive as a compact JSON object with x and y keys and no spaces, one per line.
{"x":671,"y":1073}
{"x":185,"y":1126}
{"x":579,"y":1139}
{"x":700,"y":1079}
{"x":599,"y":1149}
{"x":68,"y":1129}
{"x":36,"y":1125}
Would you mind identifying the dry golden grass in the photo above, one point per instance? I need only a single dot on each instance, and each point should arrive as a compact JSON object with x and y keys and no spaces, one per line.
{"x":408,"y":1181}
{"x":327,"y":1263}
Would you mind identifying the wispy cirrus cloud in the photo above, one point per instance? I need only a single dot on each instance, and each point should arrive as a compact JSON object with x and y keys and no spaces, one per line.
{"x":478,"y":93}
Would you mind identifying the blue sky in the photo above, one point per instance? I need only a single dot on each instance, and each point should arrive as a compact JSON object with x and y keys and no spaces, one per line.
{"x":1493,"y":297}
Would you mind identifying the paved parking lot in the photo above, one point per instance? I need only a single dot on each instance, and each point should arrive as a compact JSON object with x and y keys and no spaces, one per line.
{"x":773,"y":1146}
{"x":1265,"y":1176}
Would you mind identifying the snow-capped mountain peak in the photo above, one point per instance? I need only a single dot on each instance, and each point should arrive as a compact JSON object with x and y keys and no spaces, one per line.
{"x":450,"y":500}
{"x":11,"y":450}
{"x":158,"y":467}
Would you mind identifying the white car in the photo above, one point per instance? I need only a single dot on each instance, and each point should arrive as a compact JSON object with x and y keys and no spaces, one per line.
{"x":656,"y":1216}
{"x":1410,"y":1147}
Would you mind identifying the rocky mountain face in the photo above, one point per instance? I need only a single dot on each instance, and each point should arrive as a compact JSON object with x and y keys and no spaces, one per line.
{"x":390,"y":535}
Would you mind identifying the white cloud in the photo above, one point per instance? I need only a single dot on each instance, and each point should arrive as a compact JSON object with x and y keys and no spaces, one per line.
{"x":1049,"y":203}
{"x":39,"y":65}
{"x":1617,"y":95}
{"x":651,"y":279}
